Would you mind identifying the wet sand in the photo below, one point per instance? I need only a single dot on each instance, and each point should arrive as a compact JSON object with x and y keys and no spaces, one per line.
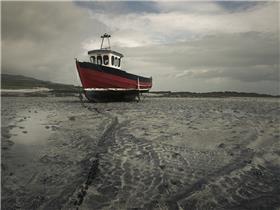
{"x":161,"y":153}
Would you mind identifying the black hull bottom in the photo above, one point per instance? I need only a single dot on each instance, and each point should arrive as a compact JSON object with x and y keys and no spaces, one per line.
{"x":112,"y":96}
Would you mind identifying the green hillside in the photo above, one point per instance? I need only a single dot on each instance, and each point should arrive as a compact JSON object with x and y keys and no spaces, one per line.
{"x":9,"y":81}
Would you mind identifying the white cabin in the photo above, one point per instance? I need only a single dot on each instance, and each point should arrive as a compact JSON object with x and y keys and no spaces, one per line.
{"x":105,"y":56}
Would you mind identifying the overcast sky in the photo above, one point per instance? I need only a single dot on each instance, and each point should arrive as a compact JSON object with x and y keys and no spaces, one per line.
{"x":184,"y":46}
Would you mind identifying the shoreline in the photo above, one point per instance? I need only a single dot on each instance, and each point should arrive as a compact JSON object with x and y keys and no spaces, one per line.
{"x":45,"y":92}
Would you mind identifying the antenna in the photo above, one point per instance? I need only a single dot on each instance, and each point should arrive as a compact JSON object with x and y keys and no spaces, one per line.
{"x":107,"y":36}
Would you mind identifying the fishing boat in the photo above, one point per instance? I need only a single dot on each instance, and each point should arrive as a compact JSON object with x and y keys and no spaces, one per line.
{"x":103,"y":79}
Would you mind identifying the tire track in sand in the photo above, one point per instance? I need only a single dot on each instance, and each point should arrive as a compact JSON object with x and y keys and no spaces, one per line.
{"x":106,"y":140}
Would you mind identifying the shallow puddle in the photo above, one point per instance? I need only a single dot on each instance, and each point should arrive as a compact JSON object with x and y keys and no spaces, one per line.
{"x":30,"y":132}
{"x":31,"y":128}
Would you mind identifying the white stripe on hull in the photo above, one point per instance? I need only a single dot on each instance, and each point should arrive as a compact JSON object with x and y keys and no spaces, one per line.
{"x":114,"y":89}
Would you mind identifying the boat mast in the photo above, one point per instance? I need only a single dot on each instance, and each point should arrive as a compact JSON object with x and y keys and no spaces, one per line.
{"x":108,"y":39}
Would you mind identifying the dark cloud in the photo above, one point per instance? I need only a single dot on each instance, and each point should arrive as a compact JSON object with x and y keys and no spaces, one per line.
{"x":237,"y":6}
{"x":39,"y":21}
{"x":126,"y":7}
{"x":223,"y":51}
{"x":41,"y":39}
{"x":244,"y":58}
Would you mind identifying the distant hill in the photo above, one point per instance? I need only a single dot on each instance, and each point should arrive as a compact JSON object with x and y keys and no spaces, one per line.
{"x":9,"y":81}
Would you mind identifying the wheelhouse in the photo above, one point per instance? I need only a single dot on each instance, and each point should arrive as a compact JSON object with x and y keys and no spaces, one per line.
{"x":105,"y":56}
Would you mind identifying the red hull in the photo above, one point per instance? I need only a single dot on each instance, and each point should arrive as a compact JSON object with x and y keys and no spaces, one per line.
{"x":93,"y":78}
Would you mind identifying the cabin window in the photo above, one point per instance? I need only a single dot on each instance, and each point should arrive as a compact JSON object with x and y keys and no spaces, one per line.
{"x":92,"y":59}
{"x":99,"y":60}
{"x":117,"y":61}
{"x":112,"y":60}
{"x":105,"y":59}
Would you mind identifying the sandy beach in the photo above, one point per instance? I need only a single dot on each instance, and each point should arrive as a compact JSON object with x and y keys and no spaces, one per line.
{"x":160,"y":153}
